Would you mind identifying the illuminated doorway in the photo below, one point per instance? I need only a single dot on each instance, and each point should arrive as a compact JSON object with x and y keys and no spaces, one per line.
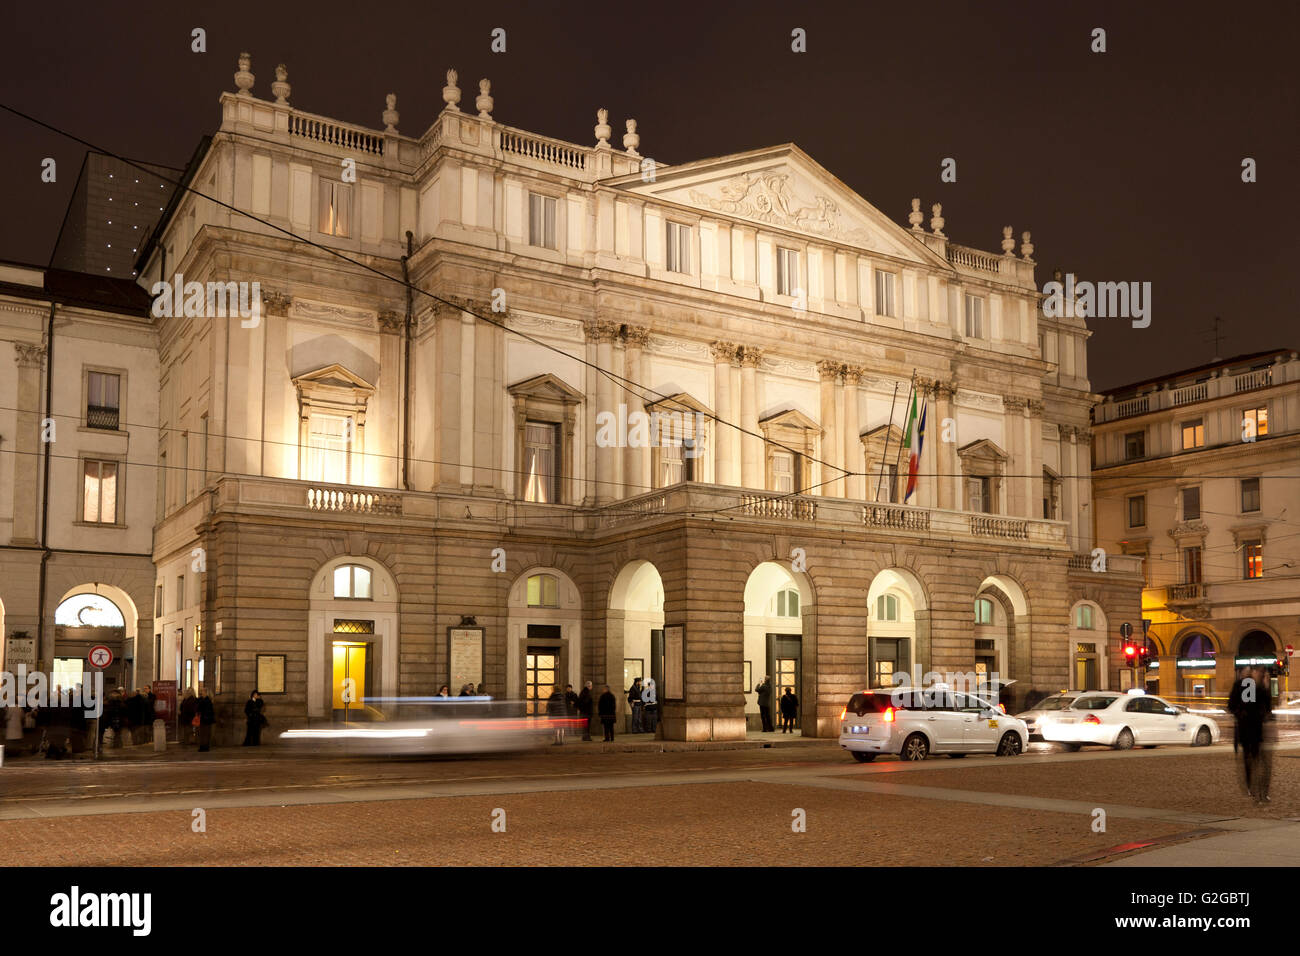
{"x":541,"y":673}
{"x":351,"y":671}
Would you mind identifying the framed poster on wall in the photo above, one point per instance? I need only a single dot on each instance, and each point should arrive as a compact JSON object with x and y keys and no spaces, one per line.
{"x":674,"y":663}
{"x":270,"y":673}
{"x":749,"y":677}
{"x":465,"y":657}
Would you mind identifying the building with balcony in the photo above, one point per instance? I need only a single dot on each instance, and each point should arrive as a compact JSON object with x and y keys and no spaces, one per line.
{"x":374,"y":492}
{"x":1195,"y":473}
{"x":78,"y":432}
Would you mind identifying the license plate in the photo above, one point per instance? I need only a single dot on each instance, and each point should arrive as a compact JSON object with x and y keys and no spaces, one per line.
{"x":1065,"y":720}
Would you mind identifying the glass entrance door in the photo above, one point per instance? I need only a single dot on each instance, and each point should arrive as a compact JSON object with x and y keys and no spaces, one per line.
{"x":351,"y":661}
{"x":541,"y":664}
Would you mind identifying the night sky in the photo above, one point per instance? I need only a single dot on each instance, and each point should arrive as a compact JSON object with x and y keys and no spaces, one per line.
{"x":1125,"y":165}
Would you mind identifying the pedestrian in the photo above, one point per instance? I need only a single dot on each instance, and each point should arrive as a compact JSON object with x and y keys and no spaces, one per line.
{"x":207,"y":717}
{"x":606,"y":707}
{"x":114,"y":722}
{"x":638,"y":707}
{"x":789,"y":710}
{"x":482,"y":690}
{"x":189,"y":709}
{"x":651,"y":701}
{"x":254,"y":719}
{"x":443,"y":691}
{"x":764,"y":691}
{"x":137,"y":716}
{"x":584,"y":710}
{"x":1251,"y":703}
{"x":13,"y":729}
{"x":570,"y":701}
{"x":556,"y":710}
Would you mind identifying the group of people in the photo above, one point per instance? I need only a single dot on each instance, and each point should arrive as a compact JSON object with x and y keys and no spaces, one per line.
{"x":644,"y":702}
{"x":565,"y":703}
{"x":466,"y":690}
{"x":58,"y":729}
{"x":196,"y":717}
{"x":787,"y":706}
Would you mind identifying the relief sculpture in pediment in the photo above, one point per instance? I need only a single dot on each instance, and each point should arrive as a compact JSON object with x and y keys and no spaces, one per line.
{"x":768,"y":197}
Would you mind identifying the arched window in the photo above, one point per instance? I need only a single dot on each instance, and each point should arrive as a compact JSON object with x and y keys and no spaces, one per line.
{"x":787,"y":603}
{"x":88,"y":610}
{"x":887,"y":608}
{"x":1197,"y":647}
{"x":1083,"y":617}
{"x":983,"y":611}
{"x":543,"y":590}
{"x":352,"y":581}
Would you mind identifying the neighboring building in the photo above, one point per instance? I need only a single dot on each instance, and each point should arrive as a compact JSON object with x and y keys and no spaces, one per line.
{"x":411,"y":498}
{"x":77,"y":472}
{"x":1195,"y":472}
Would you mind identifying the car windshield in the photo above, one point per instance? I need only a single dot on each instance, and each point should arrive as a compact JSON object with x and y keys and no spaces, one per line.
{"x":1093,"y":703}
{"x":1055,"y":703}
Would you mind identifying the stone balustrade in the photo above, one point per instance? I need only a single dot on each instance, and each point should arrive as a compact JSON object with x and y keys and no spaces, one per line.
{"x":1226,"y":384}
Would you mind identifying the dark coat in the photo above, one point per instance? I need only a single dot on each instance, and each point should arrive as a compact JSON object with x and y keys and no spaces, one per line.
{"x":634,"y":692}
{"x":253,"y":711}
{"x":189,"y":707}
{"x":584,"y":703}
{"x":764,"y":690}
{"x":555,"y":705}
{"x":789,"y":705}
{"x":570,"y":702}
{"x":207,"y":714}
{"x":607,"y":705}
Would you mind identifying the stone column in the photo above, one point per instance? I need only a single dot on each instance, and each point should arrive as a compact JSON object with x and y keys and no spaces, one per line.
{"x":1069,"y":505}
{"x":1083,"y":469}
{"x":27,"y":444}
{"x":829,"y":372}
{"x":948,"y":482}
{"x":726,"y":466}
{"x":636,"y":461}
{"x":1034,"y":454}
{"x":466,"y":450}
{"x":1015,"y":490}
{"x":855,"y":484}
{"x":602,"y":334}
{"x":751,"y":470}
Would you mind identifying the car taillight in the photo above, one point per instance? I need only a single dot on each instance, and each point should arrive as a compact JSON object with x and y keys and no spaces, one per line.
{"x":889,"y":715}
{"x":1092,"y":719}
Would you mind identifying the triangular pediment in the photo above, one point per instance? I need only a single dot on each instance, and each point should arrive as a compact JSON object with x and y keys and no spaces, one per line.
{"x":547,"y":387}
{"x":983,"y":448}
{"x":679,"y":402}
{"x":782,"y":187}
{"x":790,"y":418}
{"x":881,"y":433}
{"x":332,"y":376}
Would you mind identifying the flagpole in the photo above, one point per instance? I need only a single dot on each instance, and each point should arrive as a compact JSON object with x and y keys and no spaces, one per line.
{"x":920,"y":450}
{"x":885,"y":454}
{"x":911,"y":390}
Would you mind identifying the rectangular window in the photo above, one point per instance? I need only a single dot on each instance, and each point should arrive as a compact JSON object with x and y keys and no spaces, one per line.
{"x":335,"y":208}
{"x":1137,"y":511}
{"x":1193,"y":434}
{"x":541,"y":471}
{"x":974,"y":317}
{"x":158,"y":602}
{"x":1249,"y":494}
{"x":978,"y":497}
{"x":679,"y":248}
{"x":885,"y":293}
{"x":1255,"y":422}
{"x":329,"y":440}
{"x":180,"y":592}
{"x":787,"y":271}
{"x":1135,"y":445}
{"x":1192,"y":504}
{"x":785,"y":472}
{"x":1192,"y":565}
{"x":103,"y":400}
{"x":541,"y":221}
{"x":1252,"y":553}
{"x":884,"y":483}
{"x":99,"y":492}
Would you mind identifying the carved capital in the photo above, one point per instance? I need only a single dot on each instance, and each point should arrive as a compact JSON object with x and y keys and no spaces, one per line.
{"x":1014,"y":403}
{"x":725,"y":352}
{"x":853,"y":374}
{"x":449,"y":306}
{"x":943,"y":391}
{"x":751,"y":357}
{"x":390,"y":321}
{"x":636,"y":336}
{"x":1067,"y":432}
{"x":29,"y":356}
{"x":276,"y":303}
{"x":1036,"y":408}
{"x":829,"y":370}
{"x":600,"y":331}
{"x":1083,"y":434}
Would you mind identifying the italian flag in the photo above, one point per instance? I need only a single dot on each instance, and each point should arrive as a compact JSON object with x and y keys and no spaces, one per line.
{"x":913,"y":440}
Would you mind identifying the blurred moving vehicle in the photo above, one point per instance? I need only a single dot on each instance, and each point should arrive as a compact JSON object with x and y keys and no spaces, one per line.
{"x":433,"y":725}
{"x":1044,"y":711}
{"x":1126,"y":720}
{"x":916,"y":722}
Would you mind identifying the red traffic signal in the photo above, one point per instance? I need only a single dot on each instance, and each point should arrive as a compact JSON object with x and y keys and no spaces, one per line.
{"x":1129,"y":651}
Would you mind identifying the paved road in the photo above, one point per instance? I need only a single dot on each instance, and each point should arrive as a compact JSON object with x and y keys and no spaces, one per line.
{"x":705,"y":808}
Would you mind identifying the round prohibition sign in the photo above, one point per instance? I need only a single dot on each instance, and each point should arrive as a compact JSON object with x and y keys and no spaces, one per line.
{"x":100,"y":656}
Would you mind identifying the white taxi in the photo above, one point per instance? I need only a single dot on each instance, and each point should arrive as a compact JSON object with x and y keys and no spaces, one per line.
{"x":1122,"y":721}
{"x":916,"y":722}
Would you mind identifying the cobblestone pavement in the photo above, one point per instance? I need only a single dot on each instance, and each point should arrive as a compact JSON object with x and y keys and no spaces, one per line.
{"x":576,"y":806}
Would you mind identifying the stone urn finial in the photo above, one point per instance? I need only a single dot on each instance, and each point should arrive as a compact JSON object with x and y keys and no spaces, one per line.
{"x":244,"y":78}
{"x":1008,"y":244}
{"x":603,"y":132}
{"x":936,"y":220}
{"x":915,"y":217}
{"x":1026,"y":247}
{"x":451,"y":92}
{"x":484,"y":102}
{"x":391,"y":116}
{"x":631,"y":139}
{"x":281,"y":88}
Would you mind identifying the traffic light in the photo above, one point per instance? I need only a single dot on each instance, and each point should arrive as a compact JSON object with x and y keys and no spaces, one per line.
{"x":1130,"y":652}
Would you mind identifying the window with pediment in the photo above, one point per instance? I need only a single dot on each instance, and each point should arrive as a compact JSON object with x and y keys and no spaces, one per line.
{"x":885,"y":464}
{"x":332,"y":419}
{"x":983,"y":467}
{"x":545,"y":410}
{"x":679,"y":436}
{"x":791,"y":442}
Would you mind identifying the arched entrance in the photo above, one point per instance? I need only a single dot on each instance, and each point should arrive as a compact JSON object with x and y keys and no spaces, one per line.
{"x":1087,"y":648}
{"x":1256,"y":649}
{"x":634,"y":632}
{"x":545,"y":643}
{"x":352,"y":641}
{"x":776,"y":603}
{"x":91,"y":614}
{"x":1001,"y":615}
{"x":896,"y":610}
{"x":1196,"y":660}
